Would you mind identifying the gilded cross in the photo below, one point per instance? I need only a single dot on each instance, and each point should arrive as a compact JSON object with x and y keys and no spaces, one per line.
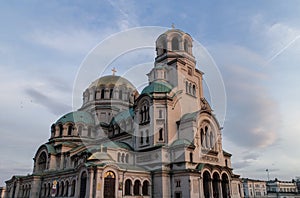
{"x":114,"y":71}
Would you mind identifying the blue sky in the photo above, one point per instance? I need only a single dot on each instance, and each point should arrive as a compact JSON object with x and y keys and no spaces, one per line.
{"x":255,"y":45}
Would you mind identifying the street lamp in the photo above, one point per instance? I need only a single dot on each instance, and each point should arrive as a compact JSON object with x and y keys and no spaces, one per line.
{"x":268,"y":174}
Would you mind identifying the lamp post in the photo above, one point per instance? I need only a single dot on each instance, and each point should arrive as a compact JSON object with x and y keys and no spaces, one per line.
{"x":268,"y":174}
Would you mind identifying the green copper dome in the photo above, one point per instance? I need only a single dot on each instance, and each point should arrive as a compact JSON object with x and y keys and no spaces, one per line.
{"x":157,"y":87}
{"x":77,"y":116}
{"x":183,"y":142}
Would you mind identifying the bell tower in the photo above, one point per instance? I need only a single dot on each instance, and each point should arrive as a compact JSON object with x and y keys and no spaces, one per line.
{"x":175,"y":64}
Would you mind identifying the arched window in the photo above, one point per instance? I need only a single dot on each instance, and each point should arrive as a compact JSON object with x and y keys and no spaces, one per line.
{"x":145,"y":114}
{"x":128,"y":187}
{"x":136,"y":187}
{"x":202,"y":137}
{"x":70,"y":129}
{"x":120,"y":94}
{"x":186,"y":87}
{"x":89,"y":131}
{"x":49,"y":189}
{"x":164,"y":45}
{"x":145,"y":188}
{"x":141,"y":116}
{"x":127,"y":158}
{"x":215,"y":184}
{"x":123,"y":158}
{"x":102,"y":93}
{"x":206,"y":137}
{"x":206,"y":184}
{"x":147,"y":136}
{"x":111,"y":93}
{"x":190,"y":88}
{"x":160,"y":134}
{"x":160,"y":113}
{"x":109,"y":184}
{"x":52,"y":130}
{"x":67,"y":189}
{"x":62,"y":189}
{"x":212,"y":142}
{"x":57,"y":189}
{"x":225,"y":186}
{"x":175,"y":43}
{"x":41,"y":162}
{"x":194,"y":90}
{"x":83,"y":182}
{"x":142,"y":138}
{"x":45,"y":190}
{"x":80,"y":130}
{"x":73,"y":188}
{"x":119,"y":157}
{"x":191,"y":157}
{"x":61,"y":129}
{"x":186,"y":45}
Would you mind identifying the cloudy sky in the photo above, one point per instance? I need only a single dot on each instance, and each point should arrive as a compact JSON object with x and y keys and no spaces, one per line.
{"x":254,"y":44}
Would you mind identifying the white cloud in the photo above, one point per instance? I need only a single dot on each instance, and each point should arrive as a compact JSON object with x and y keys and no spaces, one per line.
{"x":78,"y":41}
{"x":276,"y":37}
{"x":252,"y":117}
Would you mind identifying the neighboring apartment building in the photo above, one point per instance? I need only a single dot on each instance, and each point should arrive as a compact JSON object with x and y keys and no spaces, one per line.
{"x":282,"y":189}
{"x":254,"y":188}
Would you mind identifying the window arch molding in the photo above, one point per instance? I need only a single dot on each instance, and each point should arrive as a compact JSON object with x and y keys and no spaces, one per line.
{"x":144,"y":111}
{"x":42,"y":160}
{"x":161,"y":45}
{"x":187,"y":43}
{"x":208,"y":134}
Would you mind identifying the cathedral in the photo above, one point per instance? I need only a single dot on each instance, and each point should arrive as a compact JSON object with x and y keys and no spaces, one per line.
{"x":162,"y":142}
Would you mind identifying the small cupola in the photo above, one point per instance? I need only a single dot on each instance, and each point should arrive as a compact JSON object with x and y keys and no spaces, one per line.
{"x":174,"y":41}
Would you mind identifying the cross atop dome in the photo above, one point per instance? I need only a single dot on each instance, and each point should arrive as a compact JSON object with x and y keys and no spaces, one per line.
{"x":173,"y":26}
{"x":114,"y":71}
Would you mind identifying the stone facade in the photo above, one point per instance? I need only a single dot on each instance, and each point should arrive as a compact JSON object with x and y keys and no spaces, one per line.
{"x":162,"y":142}
{"x":254,"y":188}
{"x":282,"y":189}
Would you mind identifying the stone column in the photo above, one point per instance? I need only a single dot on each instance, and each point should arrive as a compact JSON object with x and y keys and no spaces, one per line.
{"x":211,"y":190}
{"x":201,"y":190}
{"x":89,"y":185}
{"x":99,"y":184}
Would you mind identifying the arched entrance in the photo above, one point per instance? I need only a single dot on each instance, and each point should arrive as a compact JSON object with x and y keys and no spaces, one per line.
{"x":109,"y":185}
{"x":225,"y":186}
{"x":206,"y":184}
{"x":216,"y":180}
{"x":83,"y":185}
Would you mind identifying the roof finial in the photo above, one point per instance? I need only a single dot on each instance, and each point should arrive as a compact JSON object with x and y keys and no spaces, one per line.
{"x":114,"y":71}
{"x":173,"y":26}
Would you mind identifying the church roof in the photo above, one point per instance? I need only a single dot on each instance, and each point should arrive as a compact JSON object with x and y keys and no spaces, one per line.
{"x":76,"y":116}
{"x":102,"y":156}
{"x":184,"y":142}
{"x":111,"y":80}
{"x":157,"y":87}
{"x":117,"y":145}
{"x":189,"y":115}
{"x":123,"y":115}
